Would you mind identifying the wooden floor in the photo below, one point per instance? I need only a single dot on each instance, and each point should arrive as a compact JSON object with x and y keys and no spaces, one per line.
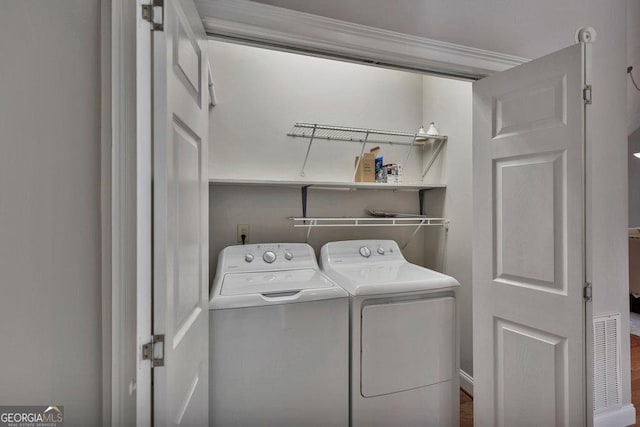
{"x":466,"y":409}
{"x":635,"y":375}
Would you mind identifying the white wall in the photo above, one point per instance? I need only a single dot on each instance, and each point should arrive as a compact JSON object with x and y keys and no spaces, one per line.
{"x":260,"y":95}
{"x":634,"y":179}
{"x":50,"y":206}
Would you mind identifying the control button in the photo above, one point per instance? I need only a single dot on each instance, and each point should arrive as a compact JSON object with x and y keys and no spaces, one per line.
{"x":269,"y":257}
{"x":380,"y":250}
{"x":248,"y":257}
{"x":365,"y":252}
{"x":288,"y":256}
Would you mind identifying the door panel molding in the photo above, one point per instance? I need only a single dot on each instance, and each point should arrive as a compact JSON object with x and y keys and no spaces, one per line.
{"x":523,"y":377}
{"x":530,"y":103}
{"x":532,"y":251}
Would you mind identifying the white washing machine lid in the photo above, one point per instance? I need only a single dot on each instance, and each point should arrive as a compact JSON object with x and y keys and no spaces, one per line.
{"x":369,"y":267}
{"x":273,"y":287}
{"x":388,"y":277}
{"x":269,"y":282}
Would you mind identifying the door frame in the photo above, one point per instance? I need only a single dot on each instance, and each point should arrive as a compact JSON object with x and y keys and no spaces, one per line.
{"x":125,"y":214}
{"x":127,"y":229}
{"x":248,"y":22}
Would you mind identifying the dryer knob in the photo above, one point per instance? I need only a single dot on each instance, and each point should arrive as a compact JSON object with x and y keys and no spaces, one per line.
{"x":380,"y":250}
{"x":248,"y":257}
{"x":365,"y":252}
{"x":269,"y":257}
{"x":288,"y":256}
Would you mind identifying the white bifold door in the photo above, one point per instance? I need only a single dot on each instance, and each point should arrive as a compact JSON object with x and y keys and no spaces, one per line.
{"x":180,"y":217}
{"x":529,"y":240}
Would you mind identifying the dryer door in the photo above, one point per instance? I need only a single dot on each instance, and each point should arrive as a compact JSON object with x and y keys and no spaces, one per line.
{"x":407,"y":345}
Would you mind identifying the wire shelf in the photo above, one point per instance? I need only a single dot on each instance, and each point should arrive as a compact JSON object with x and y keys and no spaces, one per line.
{"x":313,"y":131}
{"x":343,"y":133}
{"x":417,"y":221}
{"x":408,"y":221}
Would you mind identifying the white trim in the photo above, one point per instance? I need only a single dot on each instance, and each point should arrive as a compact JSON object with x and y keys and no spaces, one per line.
{"x":106,"y":217}
{"x":118,"y":215}
{"x":129,"y":377}
{"x":466,"y":382}
{"x":618,"y":417}
{"x":142,"y":181}
{"x":256,"y":22}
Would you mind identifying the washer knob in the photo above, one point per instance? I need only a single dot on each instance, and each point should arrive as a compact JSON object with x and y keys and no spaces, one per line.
{"x":269,"y":257}
{"x":248,"y":257}
{"x":380,"y":250}
{"x":365,"y":252}
{"x":288,"y":256}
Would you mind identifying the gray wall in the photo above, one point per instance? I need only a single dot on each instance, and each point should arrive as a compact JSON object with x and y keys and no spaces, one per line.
{"x":532,"y":29}
{"x":50,"y":334}
{"x":634,"y":179}
{"x":633,"y":59}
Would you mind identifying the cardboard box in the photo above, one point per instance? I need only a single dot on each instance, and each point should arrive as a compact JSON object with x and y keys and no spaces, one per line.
{"x":366,"y":169}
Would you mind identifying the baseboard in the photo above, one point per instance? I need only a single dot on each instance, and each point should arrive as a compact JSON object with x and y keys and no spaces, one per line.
{"x":466,"y":382}
{"x":621,"y":416}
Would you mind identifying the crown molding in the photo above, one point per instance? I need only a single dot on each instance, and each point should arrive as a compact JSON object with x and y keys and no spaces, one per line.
{"x":282,"y":28}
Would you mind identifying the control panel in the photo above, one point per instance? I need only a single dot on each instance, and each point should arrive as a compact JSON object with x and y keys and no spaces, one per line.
{"x":266,"y":256}
{"x":359,"y":251}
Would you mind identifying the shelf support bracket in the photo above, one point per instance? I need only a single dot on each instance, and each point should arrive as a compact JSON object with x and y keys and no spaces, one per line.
{"x":306,"y":157}
{"x":313,"y":222}
{"x":421,"y":201}
{"x":364,"y":143}
{"x":406,"y":158}
{"x":418,"y":227}
{"x":436,"y":151}
{"x":304,"y":190}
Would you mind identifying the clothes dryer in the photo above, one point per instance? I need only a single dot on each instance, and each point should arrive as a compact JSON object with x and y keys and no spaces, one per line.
{"x":404,"y":344}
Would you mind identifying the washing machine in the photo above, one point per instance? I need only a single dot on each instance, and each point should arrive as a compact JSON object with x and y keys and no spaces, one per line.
{"x":279,"y":343}
{"x":403,"y":334}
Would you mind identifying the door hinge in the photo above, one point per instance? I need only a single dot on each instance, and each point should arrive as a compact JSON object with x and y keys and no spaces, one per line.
{"x":587,"y":290}
{"x":154,"y":13}
{"x":586,"y":94}
{"x":154,"y":351}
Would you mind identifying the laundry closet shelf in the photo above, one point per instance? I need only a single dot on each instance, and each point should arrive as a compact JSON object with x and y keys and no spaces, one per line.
{"x":417,"y":222}
{"x":353,"y":134}
{"x":364,"y":136}
{"x":327,"y":184}
{"x":367,"y":221}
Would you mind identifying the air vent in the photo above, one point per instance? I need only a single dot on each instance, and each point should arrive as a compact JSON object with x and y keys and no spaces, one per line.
{"x":606,"y":362}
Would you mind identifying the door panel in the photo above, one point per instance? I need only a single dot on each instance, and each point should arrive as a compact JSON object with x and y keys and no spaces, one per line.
{"x":525,"y":356}
{"x":529,"y":230}
{"x":542,"y":104}
{"x":180,"y":244}
{"x":528,"y":264}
